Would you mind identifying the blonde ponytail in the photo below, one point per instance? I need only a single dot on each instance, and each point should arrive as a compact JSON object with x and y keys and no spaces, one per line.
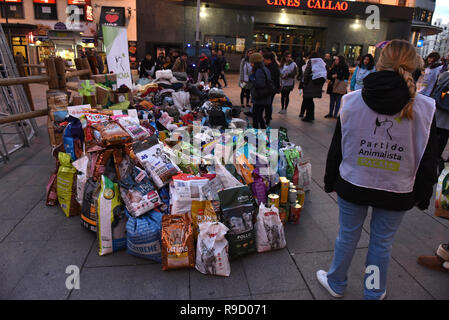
{"x":407,"y":111}
{"x":400,"y":56}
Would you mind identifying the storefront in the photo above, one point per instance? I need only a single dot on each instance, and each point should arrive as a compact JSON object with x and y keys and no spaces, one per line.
{"x":300,"y":26}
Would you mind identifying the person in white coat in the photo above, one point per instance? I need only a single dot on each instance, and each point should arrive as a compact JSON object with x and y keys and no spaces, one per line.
{"x":433,"y":68}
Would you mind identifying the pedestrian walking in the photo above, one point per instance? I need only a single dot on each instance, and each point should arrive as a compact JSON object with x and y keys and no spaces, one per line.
{"x":433,"y":68}
{"x":314,"y":77}
{"x":261,"y":94}
{"x":147,"y":66}
{"x":375,"y":161}
{"x":224,"y":67}
{"x":215,"y":70}
{"x":270,"y":62}
{"x":245,"y":71}
{"x":203,"y":69}
{"x":180,"y":63}
{"x":288,"y":71}
{"x":336,"y":88}
{"x":365,"y":68}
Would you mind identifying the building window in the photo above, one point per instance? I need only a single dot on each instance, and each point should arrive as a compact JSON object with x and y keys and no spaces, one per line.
{"x":13,"y":10}
{"x":45,"y":9}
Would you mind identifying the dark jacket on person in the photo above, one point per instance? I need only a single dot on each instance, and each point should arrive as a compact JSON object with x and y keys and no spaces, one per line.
{"x":216,"y":65}
{"x":342,"y":72}
{"x":311,"y":88}
{"x":259,"y":80}
{"x":145,"y":67}
{"x":275,"y":75}
{"x":385,"y":92}
{"x":100,"y":64}
{"x":204,"y":64}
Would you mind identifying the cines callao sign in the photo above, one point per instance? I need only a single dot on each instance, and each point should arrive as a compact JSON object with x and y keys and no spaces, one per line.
{"x":311,"y":4}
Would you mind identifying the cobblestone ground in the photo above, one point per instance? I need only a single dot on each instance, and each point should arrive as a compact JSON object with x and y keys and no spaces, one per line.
{"x":37,"y":243}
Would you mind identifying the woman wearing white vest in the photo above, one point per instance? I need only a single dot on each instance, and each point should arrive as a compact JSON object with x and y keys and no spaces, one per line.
{"x":432,"y":70}
{"x":383,"y":155}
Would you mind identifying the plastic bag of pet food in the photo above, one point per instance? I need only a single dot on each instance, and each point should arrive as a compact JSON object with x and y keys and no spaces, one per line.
{"x":244,"y":168}
{"x":303,"y":177}
{"x":66,"y":186}
{"x":201,"y":212}
{"x":237,"y":214}
{"x":144,"y":236}
{"x":132,"y":127}
{"x":51,"y":194}
{"x":227,"y":180}
{"x":111,"y":219}
{"x":269,"y":229}
{"x":442,"y":194}
{"x":178,"y":249}
{"x":89,"y":206}
{"x":259,"y":188}
{"x":186,"y":187}
{"x":138,"y":192}
{"x":212,"y":250}
{"x":156,"y":163}
{"x":110,"y":134}
{"x":81,"y":178}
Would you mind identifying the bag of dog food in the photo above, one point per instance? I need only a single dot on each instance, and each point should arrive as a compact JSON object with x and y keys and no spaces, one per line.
{"x":66,"y":186}
{"x":81,"y":165}
{"x":155,"y":162}
{"x":178,"y":249}
{"x":132,"y":127}
{"x":244,"y":168}
{"x":269,"y":229}
{"x":212,"y":250}
{"x":442,"y":194}
{"x":144,"y":235}
{"x":138,"y":192}
{"x":201,"y":212}
{"x":110,"y":133}
{"x":237,"y":214}
{"x":111,"y":219}
{"x":89,"y":206}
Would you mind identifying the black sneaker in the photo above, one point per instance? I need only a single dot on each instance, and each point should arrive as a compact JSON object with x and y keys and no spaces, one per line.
{"x":328,"y":116}
{"x":248,"y":113}
{"x":301,"y":116}
{"x":307,"y":120}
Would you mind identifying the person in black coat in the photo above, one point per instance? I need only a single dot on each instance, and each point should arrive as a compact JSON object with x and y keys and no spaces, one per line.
{"x":146,"y":65}
{"x":271,"y":64}
{"x":338,"y":71}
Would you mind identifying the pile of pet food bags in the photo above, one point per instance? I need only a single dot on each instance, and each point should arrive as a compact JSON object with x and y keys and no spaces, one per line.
{"x":164,"y":180}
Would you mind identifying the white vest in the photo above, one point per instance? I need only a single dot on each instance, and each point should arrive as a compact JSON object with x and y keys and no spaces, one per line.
{"x":379,"y":151}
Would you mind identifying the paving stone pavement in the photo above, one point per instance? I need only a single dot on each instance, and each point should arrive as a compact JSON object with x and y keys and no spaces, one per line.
{"x":37,"y":243}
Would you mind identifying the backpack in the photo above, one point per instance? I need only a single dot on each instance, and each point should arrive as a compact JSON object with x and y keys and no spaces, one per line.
{"x":267,"y":91}
{"x":217,"y":117}
{"x":440,"y":93}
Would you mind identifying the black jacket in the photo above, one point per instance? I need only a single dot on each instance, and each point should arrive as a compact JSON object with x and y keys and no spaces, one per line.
{"x":342,"y":74}
{"x":385,"y":92}
{"x":275,"y":75}
{"x":145,"y":66}
{"x":204,"y":65}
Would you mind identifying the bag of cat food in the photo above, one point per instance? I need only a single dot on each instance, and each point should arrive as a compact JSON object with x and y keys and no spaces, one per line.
{"x":201,"y":212}
{"x":212,"y":250}
{"x":132,"y":126}
{"x":138,"y":192}
{"x":110,"y":134}
{"x":144,"y":235}
{"x":89,"y":206}
{"x":66,"y":186}
{"x":156,"y":163}
{"x":442,"y":194}
{"x":269,"y":229}
{"x":304,"y":176}
{"x":111,"y":219}
{"x":237,"y":214}
{"x":81,"y":178}
{"x":178,"y":249}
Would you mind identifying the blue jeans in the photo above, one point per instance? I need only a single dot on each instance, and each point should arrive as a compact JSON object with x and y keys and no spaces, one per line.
{"x":383,"y":227}
{"x":335,"y":104}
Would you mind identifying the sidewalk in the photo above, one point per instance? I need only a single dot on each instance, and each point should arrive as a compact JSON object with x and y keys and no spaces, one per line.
{"x":37,"y":243}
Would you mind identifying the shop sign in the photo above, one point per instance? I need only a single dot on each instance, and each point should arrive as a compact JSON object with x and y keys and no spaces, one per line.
{"x":334,"y":5}
{"x":45,"y":1}
{"x":112,"y":16}
{"x":12,"y":1}
{"x":116,"y":43}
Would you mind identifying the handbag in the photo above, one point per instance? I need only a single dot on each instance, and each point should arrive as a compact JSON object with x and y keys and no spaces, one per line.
{"x":340,"y":87}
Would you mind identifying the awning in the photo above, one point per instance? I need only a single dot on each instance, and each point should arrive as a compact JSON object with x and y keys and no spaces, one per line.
{"x":426,"y":29}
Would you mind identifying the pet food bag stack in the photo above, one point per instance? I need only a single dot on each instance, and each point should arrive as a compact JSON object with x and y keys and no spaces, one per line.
{"x":144,"y":176}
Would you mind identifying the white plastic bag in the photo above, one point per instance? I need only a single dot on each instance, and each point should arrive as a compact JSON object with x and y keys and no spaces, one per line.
{"x":269,"y":230}
{"x":212,"y":250}
{"x":81,"y":165}
{"x":304,"y":175}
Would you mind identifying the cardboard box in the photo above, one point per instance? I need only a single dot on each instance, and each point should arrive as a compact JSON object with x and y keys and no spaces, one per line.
{"x":101,"y":78}
{"x":104,"y":95}
{"x":87,"y":89}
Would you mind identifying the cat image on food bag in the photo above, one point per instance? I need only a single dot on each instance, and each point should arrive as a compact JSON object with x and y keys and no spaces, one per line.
{"x":269,"y":230}
{"x":212,"y":250}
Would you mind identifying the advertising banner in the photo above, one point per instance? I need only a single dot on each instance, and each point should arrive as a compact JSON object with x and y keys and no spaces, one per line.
{"x":116,"y":43}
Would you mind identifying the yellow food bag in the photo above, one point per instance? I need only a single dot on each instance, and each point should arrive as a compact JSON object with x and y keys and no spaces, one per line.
{"x":202,"y":211}
{"x":66,"y":186}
